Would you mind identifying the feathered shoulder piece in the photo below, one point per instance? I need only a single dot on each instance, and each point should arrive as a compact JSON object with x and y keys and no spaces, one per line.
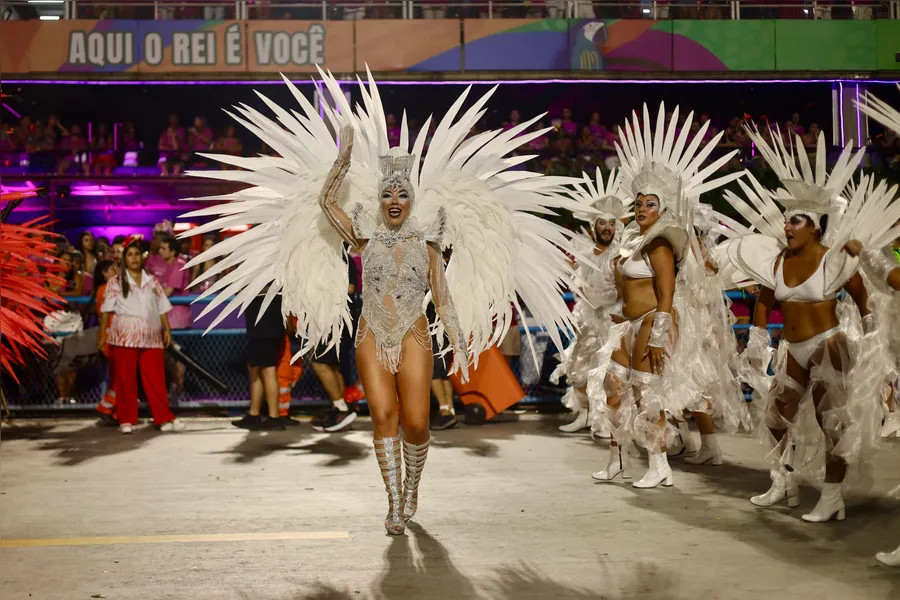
{"x":667,"y":162}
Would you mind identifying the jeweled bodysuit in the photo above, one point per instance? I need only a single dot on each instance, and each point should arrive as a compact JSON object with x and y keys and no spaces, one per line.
{"x":395,"y":274}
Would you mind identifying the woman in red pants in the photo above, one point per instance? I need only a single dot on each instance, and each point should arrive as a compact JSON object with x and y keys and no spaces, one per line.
{"x":136,"y":338}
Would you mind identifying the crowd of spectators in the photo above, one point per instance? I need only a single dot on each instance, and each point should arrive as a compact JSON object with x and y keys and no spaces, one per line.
{"x":573,"y":143}
{"x":87,"y":259}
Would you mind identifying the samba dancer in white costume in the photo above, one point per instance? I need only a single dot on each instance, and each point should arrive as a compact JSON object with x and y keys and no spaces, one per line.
{"x":819,"y":409}
{"x":646,"y":368}
{"x":721,"y":399}
{"x":884,"y":270}
{"x":882,"y":262}
{"x":306,"y":203}
{"x":599,"y":298}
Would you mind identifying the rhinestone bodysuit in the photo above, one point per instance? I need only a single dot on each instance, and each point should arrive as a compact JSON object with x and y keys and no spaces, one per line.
{"x":395,"y":274}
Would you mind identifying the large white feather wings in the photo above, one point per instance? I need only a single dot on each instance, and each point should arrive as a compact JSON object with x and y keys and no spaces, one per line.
{"x":503,"y":247}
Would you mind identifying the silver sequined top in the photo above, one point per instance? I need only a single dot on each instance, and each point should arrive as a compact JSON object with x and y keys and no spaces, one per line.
{"x":395,"y":268}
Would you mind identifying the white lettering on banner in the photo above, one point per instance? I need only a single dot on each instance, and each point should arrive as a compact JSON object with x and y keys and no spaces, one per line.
{"x":153,"y":49}
{"x":101,"y":48}
{"x":233,"y":45}
{"x":195,"y":48}
{"x":299,"y":48}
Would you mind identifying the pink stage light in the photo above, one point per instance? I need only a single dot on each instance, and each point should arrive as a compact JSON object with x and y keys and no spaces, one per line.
{"x":27,"y":186}
{"x":101,"y":190}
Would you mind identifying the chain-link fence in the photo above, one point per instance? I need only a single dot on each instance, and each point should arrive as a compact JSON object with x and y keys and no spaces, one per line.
{"x":223,"y":353}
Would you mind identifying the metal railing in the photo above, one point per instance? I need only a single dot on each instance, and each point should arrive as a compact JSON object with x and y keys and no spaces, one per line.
{"x":424,"y":9}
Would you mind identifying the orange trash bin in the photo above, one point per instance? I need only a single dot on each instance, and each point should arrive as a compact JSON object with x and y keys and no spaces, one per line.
{"x":491,"y":389}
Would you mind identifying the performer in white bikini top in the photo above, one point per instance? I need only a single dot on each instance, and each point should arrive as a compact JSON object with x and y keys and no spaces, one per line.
{"x":640,"y":376}
{"x":798,"y":262}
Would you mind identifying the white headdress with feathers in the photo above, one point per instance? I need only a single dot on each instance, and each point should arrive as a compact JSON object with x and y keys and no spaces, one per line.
{"x":607,"y":200}
{"x":807,"y":192}
{"x":657,"y":161}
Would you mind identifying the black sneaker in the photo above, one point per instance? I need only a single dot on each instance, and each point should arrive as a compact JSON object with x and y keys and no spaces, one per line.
{"x":250,"y":422}
{"x":271,"y":424}
{"x":336,"y":420}
{"x":443,"y":421}
{"x":289,"y":422}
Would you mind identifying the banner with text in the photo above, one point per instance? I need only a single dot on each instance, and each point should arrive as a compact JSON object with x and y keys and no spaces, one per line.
{"x":160,"y":47}
{"x":239,"y":49}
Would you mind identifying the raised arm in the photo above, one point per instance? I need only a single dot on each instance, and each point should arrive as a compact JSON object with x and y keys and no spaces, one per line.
{"x":336,"y":215}
{"x":443,"y":306}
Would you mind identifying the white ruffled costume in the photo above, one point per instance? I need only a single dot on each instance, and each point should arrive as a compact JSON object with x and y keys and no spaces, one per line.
{"x":847,"y":410}
{"x":656,"y":161}
{"x":595,"y":279}
{"x":879,"y":267}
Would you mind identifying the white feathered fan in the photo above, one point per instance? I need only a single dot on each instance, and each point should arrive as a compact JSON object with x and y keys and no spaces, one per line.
{"x":503,"y":247}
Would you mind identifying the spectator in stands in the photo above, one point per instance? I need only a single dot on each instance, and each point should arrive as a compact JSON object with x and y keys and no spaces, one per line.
{"x":42,"y":148}
{"x":103,"y":148}
{"x":597,"y":128}
{"x":116,"y":248}
{"x":514,"y":119}
{"x":103,"y":248}
{"x":540,"y":143}
{"x":88,"y":246}
{"x":811,"y":137}
{"x":171,"y":147}
{"x":798,"y":128}
{"x":587,"y":143}
{"x":175,"y":280}
{"x":73,"y":276}
{"x":156,"y":265}
{"x":197,"y":270}
{"x":72,"y":148}
{"x":136,"y":338}
{"x":200,"y":139}
{"x":229,"y":143}
{"x":568,"y":127}
{"x":128,"y":141}
{"x":25,"y":134}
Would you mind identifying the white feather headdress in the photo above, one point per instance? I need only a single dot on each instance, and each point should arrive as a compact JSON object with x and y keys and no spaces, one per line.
{"x":655,"y":161}
{"x":807,"y":192}
{"x":608,"y":199}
